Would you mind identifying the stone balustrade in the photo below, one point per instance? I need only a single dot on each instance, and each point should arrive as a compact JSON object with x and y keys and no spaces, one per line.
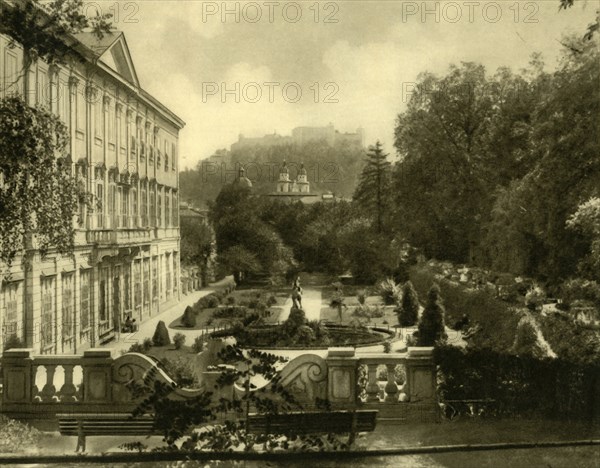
{"x":38,"y":387}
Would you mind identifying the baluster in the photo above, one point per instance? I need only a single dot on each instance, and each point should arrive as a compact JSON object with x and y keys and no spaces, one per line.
{"x":372,"y":386}
{"x":68,"y":390}
{"x":48,"y":393}
{"x":35,"y":391}
{"x":391,"y":389}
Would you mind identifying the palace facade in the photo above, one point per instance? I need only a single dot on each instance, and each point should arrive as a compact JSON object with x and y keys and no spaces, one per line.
{"x":124,"y":151}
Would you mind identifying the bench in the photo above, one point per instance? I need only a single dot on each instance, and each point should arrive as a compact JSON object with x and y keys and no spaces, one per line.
{"x":104,"y":424}
{"x":302,"y":423}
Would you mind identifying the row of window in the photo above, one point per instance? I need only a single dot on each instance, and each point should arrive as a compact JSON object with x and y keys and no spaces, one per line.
{"x":54,"y":92}
{"x":124,"y":208}
{"x":117,"y":304}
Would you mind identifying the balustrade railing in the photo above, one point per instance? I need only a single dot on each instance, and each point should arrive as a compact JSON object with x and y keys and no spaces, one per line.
{"x":40,"y":386}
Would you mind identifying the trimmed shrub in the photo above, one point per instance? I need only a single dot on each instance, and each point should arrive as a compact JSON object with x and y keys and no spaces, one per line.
{"x":212,"y":301}
{"x":230,"y":300}
{"x":161,"y":335}
{"x":389,"y":292}
{"x":296,"y":319}
{"x":13,"y":342}
{"x":230,"y":312}
{"x":408,"y":312}
{"x":198,"y":344}
{"x":271,"y":300}
{"x":189,"y":318}
{"x":305,"y":335}
{"x":431,"y":325}
{"x":147,"y":344}
{"x":141,"y":348}
{"x":179,"y":340}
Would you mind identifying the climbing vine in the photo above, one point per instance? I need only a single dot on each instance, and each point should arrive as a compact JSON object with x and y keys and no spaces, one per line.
{"x":39,"y":196}
{"x":38,"y":193}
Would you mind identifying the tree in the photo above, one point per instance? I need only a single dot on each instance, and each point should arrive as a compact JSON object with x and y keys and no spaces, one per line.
{"x":409,"y":308}
{"x":197,"y":244}
{"x":372,"y":192}
{"x":242,"y":368}
{"x":42,"y":31}
{"x":587,"y":220}
{"x":240,"y":262}
{"x":592,"y":28}
{"x":431,"y":326}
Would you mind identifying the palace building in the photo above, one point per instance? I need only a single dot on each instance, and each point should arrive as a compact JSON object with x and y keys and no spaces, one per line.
{"x":124,"y":150}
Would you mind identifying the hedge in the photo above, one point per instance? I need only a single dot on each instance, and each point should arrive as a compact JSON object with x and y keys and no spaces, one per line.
{"x":520,"y":386}
{"x":498,"y":319}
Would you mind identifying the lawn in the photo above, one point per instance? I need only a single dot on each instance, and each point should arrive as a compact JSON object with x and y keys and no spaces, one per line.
{"x":331,"y":315}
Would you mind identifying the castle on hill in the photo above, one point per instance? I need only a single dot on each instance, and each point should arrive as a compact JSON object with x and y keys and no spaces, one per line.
{"x":301,"y":135}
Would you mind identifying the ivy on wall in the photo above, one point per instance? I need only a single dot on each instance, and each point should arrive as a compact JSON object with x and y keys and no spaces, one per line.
{"x":38,"y":193}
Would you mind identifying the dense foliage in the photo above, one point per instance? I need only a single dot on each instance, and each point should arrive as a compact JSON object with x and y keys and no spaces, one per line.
{"x":224,"y":417}
{"x":492,"y":167}
{"x":518,"y":385}
{"x":38,"y":194}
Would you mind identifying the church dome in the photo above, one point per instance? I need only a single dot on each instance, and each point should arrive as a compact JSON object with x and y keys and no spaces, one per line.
{"x":284,"y":169}
{"x":242,"y":180}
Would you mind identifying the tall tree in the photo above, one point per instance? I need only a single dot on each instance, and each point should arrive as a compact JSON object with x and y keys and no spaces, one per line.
{"x":372,"y":192}
{"x":197,"y":244}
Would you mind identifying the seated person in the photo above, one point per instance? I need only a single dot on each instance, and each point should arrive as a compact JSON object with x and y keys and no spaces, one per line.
{"x":127,"y":326}
{"x":134,"y":326}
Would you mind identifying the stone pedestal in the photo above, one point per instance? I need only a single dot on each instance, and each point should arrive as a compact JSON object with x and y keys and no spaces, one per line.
{"x":342,"y":376}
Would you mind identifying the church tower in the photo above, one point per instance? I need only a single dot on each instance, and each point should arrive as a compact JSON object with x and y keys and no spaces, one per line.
{"x":283,"y":185}
{"x":302,"y":183}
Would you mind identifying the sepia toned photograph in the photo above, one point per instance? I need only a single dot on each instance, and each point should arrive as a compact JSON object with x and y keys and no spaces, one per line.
{"x":338,"y":234}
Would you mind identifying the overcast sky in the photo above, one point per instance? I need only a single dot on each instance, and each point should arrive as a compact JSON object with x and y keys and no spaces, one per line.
{"x":360,"y":55}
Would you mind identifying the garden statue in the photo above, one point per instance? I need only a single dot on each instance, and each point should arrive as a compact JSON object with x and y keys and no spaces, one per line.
{"x":297,"y":294}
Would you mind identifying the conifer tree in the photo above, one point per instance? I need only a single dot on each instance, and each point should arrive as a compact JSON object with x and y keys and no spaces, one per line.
{"x":409,"y":309}
{"x":431,"y":325}
{"x":372,"y":193}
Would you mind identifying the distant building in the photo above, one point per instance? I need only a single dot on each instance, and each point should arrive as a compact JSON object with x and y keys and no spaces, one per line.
{"x":264,"y":141}
{"x":291,"y":190}
{"x":302,"y":135}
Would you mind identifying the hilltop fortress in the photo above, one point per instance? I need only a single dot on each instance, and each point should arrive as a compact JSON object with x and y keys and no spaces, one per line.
{"x":301,"y":135}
